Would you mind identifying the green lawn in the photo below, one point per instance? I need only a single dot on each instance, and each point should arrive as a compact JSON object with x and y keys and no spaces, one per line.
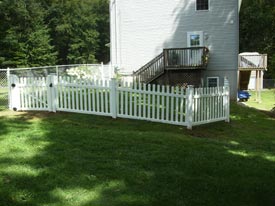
{"x":3,"y":98}
{"x":66,"y":159}
{"x":268,"y":100}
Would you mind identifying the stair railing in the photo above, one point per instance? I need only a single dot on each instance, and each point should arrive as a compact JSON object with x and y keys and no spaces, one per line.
{"x":150,"y":71}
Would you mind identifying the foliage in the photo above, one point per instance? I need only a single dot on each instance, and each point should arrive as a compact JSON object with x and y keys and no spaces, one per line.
{"x":49,"y":32}
{"x":74,"y":159}
{"x":24,"y":38}
{"x":85,"y":72}
{"x":257,"y":30}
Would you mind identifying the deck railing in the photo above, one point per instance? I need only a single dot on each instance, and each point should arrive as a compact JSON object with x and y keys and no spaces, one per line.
{"x":248,"y":62}
{"x":186,"y":58}
{"x":175,"y":58}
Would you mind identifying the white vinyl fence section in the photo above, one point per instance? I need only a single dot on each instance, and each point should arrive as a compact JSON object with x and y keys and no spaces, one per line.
{"x":83,"y":96}
{"x":172,"y":105}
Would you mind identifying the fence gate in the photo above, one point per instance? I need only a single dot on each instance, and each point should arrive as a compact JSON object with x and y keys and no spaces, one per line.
{"x":30,"y":93}
{"x":4,"y":91}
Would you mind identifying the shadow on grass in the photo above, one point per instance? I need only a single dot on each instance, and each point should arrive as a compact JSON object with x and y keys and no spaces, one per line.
{"x":83,"y":160}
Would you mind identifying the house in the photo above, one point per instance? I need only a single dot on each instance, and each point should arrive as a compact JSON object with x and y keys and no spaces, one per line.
{"x":176,"y":41}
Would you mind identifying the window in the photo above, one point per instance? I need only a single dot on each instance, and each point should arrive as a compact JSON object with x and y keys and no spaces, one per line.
{"x":212,"y":81}
{"x":194,"y":39}
{"x":202,"y":5}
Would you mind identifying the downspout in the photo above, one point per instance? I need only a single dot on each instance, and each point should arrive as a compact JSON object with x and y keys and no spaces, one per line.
{"x":116,"y":36}
{"x":113,"y":32}
{"x":239,"y":2}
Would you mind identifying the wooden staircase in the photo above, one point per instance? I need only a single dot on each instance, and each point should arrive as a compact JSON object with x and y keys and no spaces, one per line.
{"x":193,"y":58}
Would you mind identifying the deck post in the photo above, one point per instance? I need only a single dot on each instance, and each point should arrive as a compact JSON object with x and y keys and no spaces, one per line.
{"x":260,"y":87}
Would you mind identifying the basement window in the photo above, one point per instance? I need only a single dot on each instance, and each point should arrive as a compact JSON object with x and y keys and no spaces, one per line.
{"x":212,"y":81}
{"x":202,"y":5}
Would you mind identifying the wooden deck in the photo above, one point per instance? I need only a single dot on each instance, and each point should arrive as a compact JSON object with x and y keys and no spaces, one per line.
{"x":173,"y":59}
{"x":252,"y":62}
{"x":249,"y":62}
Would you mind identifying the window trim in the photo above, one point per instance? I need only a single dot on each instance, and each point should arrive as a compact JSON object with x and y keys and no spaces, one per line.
{"x":213,"y":77}
{"x":203,"y":9}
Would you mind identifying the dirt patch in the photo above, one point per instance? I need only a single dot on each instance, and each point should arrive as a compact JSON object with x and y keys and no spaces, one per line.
{"x":269,"y":113}
{"x":26,"y":116}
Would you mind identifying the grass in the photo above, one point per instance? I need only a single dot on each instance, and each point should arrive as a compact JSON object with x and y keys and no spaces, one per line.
{"x":3,"y":98}
{"x":268,"y":100}
{"x":66,"y":159}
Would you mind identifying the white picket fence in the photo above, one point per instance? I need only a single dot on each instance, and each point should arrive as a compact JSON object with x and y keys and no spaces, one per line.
{"x":172,"y":105}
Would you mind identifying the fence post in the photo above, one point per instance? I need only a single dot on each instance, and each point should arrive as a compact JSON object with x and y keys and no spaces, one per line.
{"x":51,"y":92}
{"x":14,"y":93}
{"x":8,"y":86}
{"x":189,"y":106}
{"x":54,"y":80}
{"x":57,"y":71}
{"x":113,"y":99}
{"x":226,"y":100}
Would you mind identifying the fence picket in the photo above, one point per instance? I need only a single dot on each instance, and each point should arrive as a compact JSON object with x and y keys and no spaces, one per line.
{"x":140,"y":101}
{"x":149,"y":102}
{"x":106,"y":110}
{"x":93,"y":99}
{"x":154,"y":102}
{"x":126,"y":99}
{"x":162,"y":103}
{"x":167,"y":103}
{"x":158,"y":101}
{"x":144,"y":101}
{"x":89,"y":95}
{"x":182,"y":104}
{"x":69,"y":91}
{"x":135,"y":99}
{"x":172,"y":105}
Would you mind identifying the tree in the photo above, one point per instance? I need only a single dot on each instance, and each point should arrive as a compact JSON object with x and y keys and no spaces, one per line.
{"x":257,"y":30}
{"x":24,"y":37}
{"x":48,"y":32}
{"x":80,"y":30}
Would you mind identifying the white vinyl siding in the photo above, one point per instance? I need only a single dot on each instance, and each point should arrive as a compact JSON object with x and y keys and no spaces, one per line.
{"x":146,"y":27}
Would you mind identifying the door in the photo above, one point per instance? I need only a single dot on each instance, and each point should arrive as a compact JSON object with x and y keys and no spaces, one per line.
{"x":194,"y":39}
